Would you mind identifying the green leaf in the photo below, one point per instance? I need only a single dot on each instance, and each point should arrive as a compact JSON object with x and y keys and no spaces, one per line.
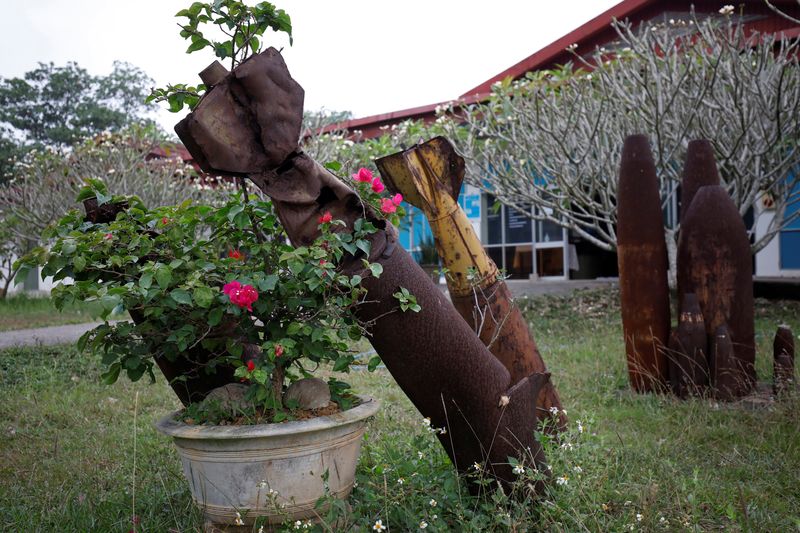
{"x":203,"y":296}
{"x":215,"y":316}
{"x":146,"y":280}
{"x":181,"y":296}
{"x":373,"y":363}
{"x":376,"y":269}
{"x":342,"y":363}
{"x":79,"y":263}
{"x":333,"y":166}
{"x":110,"y":377}
{"x":163,"y":276}
{"x":197,"y":45}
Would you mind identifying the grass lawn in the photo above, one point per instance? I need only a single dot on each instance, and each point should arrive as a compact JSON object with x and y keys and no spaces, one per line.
{"x":641,"y":462}
{"x":20,"y":311}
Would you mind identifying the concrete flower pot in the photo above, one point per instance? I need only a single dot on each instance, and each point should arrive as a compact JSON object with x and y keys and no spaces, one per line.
{"x":270,"y":470}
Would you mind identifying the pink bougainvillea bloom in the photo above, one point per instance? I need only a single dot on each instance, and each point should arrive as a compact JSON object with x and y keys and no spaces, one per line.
{"x":235,"y":254}
{"x":397,"y":199}
{"x":363,"y":175}
{"x":325,"y":218}
{"x":387,"y":206}
{"x":244,"y":296}
{"x":108,"y":236}
{"x":377,"y":186}
{"x":251,"y":366}
{"x":278,"y":350}
{"x":228,"y":288}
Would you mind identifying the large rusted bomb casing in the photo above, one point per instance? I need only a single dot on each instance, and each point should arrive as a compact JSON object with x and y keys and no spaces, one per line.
{"x":688,"y":359}
{"x":714,"y":263}
{"x":437,"y":360}
{"x":449,"y":374}
{"x":783,"y":361}
{"x":699,"y":170}
{"x":643,"y":266}
{"x":726,"y":377}
{"x":429,"y":176}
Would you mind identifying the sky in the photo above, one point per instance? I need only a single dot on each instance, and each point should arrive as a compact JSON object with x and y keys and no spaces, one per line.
{"x":363,"y":56}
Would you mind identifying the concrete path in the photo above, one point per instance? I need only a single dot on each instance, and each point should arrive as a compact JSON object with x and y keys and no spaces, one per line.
{"x":44,"y":336}
{"x":71,"y":333}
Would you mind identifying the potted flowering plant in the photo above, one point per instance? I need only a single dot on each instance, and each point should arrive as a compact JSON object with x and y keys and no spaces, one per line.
{"x":219,"y":299}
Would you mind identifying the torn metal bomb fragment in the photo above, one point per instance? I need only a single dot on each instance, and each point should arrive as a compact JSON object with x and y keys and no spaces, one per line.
{"x":252,"y":128}
{"x":429,"y":176}
{"x":643,"y":265}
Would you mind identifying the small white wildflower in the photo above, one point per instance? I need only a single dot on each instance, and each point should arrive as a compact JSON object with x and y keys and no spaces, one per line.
{"x":562,"y":480}
{"x":578,"y":469}
{"x":423,"y":524}
{"x":298,"y":524}
{"x":504,"y":400}
{"x":261,"y":529}
{"x":726,"y":10}
{"x":434,"y":517}
{"x":627,"y":503}
{"x":554,"y":411}
{"x":378,"y":525}
{"x":662,"y":520}
{"x":566,"y":446}
{"x":272,"y":492}
{"x":476,"y":466}
{"x":400,"y":481}
{"x":580,"y":426}
{"x":308,"y":524}
{"x":639,"y":517}
{"x":672,"y":21}
{"x":442,"y":431}
{"x":426,"y":422}
{"x":432,"y":503}
{"x":238,"y":520}
{"x":519,"y":469}
{"x":420,"y":455}
{"x":572,"y":47}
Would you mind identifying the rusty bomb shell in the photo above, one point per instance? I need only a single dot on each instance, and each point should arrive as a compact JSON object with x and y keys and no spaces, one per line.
{"x":714,"y":263}
{"x":642,"y":258}
{"x":429,"y":176}
{"x":699,"y":170}
{"x":726,"y":378}
{"x":436,"y":359}
{"x":783,"y":362}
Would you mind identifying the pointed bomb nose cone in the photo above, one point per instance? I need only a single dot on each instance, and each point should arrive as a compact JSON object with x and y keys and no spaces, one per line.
{"x":699,"y":170}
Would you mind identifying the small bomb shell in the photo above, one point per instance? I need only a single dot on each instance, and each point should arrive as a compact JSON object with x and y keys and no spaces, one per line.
{"x":699,"y":170}
{"x":688,"y":364}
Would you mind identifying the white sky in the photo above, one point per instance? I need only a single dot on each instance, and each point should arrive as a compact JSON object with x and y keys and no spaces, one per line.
{"x":364,"y":56}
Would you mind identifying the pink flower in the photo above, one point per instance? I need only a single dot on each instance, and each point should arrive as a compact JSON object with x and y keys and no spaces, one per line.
{"x":325,"y":218}
{"x":108,"y":236}
{"x":387,"y":206}
{"x":228,"y":288}
{"x":251,"y":366}
{"x":321,"y":262}
{"x":397,"y":199}
{"x":235,"y":254}
{"x":377,"y":186}
{"x":164,"y":221}
{"x":278,"y":350}
{"x":244,"y":296}
{"x":364,"y":175}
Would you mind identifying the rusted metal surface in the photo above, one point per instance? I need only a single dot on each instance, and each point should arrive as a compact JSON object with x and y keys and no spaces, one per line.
{"x":642,"y":258}
{"x":715,"y":264}
{"x":688,"y":350}
{"x":699,"y":170}
{"x":429,"y":177}
{"x":486,"y":414}
{"x":783,"y":361}
{"x":726,"y":377}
